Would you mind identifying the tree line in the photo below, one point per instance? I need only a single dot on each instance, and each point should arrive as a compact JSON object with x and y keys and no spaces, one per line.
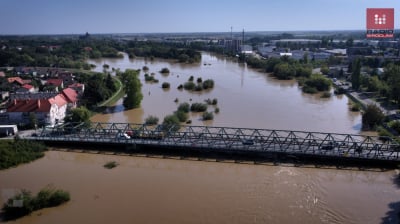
{"x":179,"y":52}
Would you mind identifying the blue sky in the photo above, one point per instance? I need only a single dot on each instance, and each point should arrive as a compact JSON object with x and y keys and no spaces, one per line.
{"x":149,"y":16}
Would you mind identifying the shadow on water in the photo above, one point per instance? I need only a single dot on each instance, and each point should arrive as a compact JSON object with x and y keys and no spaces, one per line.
{"x":114,"y":109}
{"x":393,"y":215}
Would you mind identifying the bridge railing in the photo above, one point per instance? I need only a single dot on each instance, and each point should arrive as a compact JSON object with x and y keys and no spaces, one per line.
{"x":228,"y":138}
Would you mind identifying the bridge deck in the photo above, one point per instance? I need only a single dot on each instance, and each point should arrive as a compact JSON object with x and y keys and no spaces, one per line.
{"x":227,"y":139}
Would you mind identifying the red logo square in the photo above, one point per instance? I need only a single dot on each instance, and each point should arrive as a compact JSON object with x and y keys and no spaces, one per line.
{"x":380,"y":19}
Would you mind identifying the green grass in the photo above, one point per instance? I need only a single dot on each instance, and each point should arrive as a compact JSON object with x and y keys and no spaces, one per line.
{"x":116,"y":96}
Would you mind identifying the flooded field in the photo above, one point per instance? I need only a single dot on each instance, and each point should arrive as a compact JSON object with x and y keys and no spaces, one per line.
{"x":246,"y":97}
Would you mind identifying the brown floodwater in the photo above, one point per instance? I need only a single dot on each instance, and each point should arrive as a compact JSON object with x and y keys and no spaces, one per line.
{"x":156,"y":190}
{"x":246,"y":97}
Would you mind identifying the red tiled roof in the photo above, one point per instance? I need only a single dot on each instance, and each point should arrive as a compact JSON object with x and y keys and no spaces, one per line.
{"x":54,"y":82}
{"x":27,"y":86}
{"x":59,"y":100}
{"x":70,"y":95}
{"x":76,"y":85}
{"x":18,"y":80}
{"x":15,"y":79}
{"x":36,"y":105}
{"x":42,"y":105}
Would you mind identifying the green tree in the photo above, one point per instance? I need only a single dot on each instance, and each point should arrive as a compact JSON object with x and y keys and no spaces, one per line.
{"x":33,"y":120}
{"x":185,"y":107}
{"x":80,"y":114}
{"x":151,"y":120}
{"x":392,"y":77}
{"x":171,"y":123}
{"x":133,"y":90}
{"x":324,"y":69}
{"x":356,"y":74}
{"x":373,"y":84}
{"x":317,"y":82}
{"x":371,"y":117}
{"x":110,"y":84}
{"x":349,"y":42}
{"x":305,"y":58}
{"x":284,"y":71}
{"x":181,"y":115}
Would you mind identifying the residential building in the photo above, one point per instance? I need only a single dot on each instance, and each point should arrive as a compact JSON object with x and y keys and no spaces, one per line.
{"x":49,"y":108}
{"x":47,"y":111}
{"x":58,"y":84}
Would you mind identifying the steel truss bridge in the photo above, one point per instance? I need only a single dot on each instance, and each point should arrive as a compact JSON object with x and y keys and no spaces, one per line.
{"x":226,"y":139}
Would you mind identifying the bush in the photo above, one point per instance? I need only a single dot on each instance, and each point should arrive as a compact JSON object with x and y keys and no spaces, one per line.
{"x":340,"y":91}
{"x":326,"y":95}
{"x":395,"y":125}
{"x":284,"y":71}
{"x":15,"y":152}
{"x":383,"y":132}
{"x":308,"y":89}
{"x":164,"y":70}
{"x":319,"y":82}
{"x":185,"y":107}
{"x":191,"y":78}
{"x":180,"y":87}
{"x":148,"y":78}
{"x":171,"y":123}
{"x":145,"y":68}
{"x":165,"y":85}
{"x":355,"y":107}
{"x":151,"y":120}
{"x":208,"y":116}
{"x":181,"y":115}
{"x":198,"y":107}
{"x":198,"y":88}
{"x":111,"y":165}
{"x":216,"y":110}
{"x":211,"y":102}
{"x":372,"y":117}
{"x":199,"y":80}
{"x":47,"y":197}
{"x":189,"y":86}
{"x":208,"y":84}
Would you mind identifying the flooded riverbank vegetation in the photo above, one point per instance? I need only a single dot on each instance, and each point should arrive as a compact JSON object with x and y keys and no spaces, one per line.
{"x":163,"y":50}
{"x":285,"y":68}
{"x":24,"y":203}
{"x":132,"y":87}
{"x":111,"y":165}
{"x":19,"y":151}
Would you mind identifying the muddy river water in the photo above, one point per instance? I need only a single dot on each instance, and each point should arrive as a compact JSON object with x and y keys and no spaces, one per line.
{"x":246,"y":97}
{"x":170,"y":190}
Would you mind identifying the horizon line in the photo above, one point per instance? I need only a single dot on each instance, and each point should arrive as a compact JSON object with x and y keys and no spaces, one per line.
{"x":194,"y":32}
